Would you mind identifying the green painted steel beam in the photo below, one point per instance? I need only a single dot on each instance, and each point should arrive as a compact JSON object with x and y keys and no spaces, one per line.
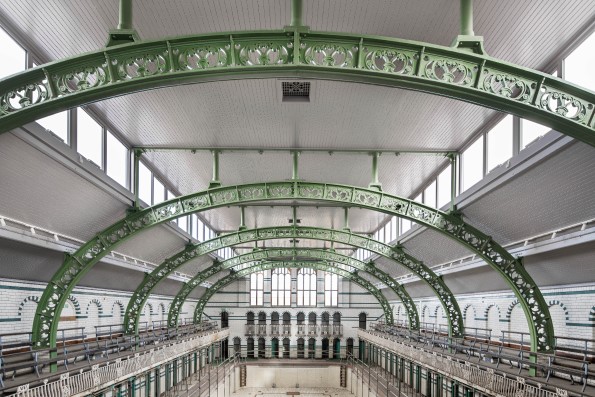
{"x":54,"y":297}
{"x":375,"y":292}
{"x":330,"y":257}
{"x":447,"y":71}
{"x":243,"y":236}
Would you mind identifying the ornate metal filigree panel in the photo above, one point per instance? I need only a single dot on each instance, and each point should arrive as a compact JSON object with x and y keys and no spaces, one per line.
{"x":77,"y":264}
{"x":439,"y":70}
{"x":141,"y":294}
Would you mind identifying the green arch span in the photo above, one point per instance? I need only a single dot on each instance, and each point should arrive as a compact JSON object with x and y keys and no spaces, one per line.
{"x":439,"y":70}
{"x":142,"y":292}
{"x":76,"y":265}
{"x":282,"y":254}
{"x":388,"y":314}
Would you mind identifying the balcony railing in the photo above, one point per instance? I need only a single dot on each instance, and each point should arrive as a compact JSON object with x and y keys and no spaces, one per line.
{"x":285,"y":329}
{"x":261,"y":330}
{"x":301,"y":330}
{"x":275,"y":329}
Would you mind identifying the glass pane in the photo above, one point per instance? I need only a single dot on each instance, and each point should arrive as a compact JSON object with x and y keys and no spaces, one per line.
{"x":334,"y":281}
{"x":144,"y":183}
{"x":578,"y":67}
{"x":274,"y":281}
{"x":312,"y":299}
{"x":472,"y":163}
{"x":259,"y":298}
{"x":287,"y":301}
{"x":158,"y":191}
{"x":418,"y":199}
{"x":117,"y":159}
{"x":405,"y":225}
{"x":444,"y":187}
{"x":313,"y":281}
{"x":253,"y":298}
{"x":260,"y":281}
{"x":500,"y":143}
{"x":89,"y":137}
{"x":274,"y":297}
{"x":300,"y":282}
{"x":201,"y":230}
{"x":430,"y":195}
{"x":300,"y":297}
{"x":530,"y":131}
{"x":327,"y":298}
{"x":57,"y":123}
{"x":183,"y":223}
{"x":13,"y":56}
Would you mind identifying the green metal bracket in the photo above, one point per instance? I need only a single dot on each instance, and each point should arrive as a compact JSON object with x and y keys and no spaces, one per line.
{"x":443,"y":293}
{"x":451,"y":72}
{"x":284,"y":254}
{"x":388,"y":314}
{"x":125,"y":33}
{"x":65,"y":279}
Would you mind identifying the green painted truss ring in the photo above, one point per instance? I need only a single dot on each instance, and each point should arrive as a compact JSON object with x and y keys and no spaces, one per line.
{"x":434,"y":69}
{"x":443,"y":293}
{"x":331,"y":258}
{"x":54,"y":297}
{"x":388,"y":313}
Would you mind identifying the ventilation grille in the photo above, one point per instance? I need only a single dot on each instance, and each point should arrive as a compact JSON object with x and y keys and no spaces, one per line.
{"x":296,"y":91}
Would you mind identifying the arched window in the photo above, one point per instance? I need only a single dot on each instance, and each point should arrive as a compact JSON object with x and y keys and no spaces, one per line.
{"x":306,"y":287}
{"x":257,"y":289}
{"x":281,"y":288}
{"x":362,"y":320}
{"x":331,"y":289}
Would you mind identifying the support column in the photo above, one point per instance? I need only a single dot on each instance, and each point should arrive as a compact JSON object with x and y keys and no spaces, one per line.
{"x":467,"y":18}
{"x":375,"y":184}
{"x":467,"y":39}
{"x":136,"y":180}
{"x":294,"y":168}
{"x":346,"y":220}
{"x":125,"y":33}
{"x":453,"y":181}
{"x":296,"y":13}
{"x":215,"y":182}
{"x":242,"y":219}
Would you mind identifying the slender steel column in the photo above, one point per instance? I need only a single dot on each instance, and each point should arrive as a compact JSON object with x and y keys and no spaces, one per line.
{"x":467,"y":18}
{"x":215,"y":182}
{"x":294,"y":168}
{"x":296,"y":12}
{"x":453,"y":180}
{"x":346,"y":220}
{"x":136,"y":182}
{"x":125,"y":14}
{"x":242,"y":218}
{"x":375,"y":184}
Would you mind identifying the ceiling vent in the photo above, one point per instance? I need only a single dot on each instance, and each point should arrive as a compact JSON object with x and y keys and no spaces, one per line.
{"x":296,"y":91}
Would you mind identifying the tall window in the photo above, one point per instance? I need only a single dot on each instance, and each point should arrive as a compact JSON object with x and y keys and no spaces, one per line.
{"x":281,"y":288}
{"x":331,"y":289}
{"x":444,"y":187}
{"x":472,"y":164}
{"x":306,"y":287}
{"x":117,"y":159}
{"x":256,"y":289}
{"x":57,"y":123}
{"x":499,"y":143}
{"x":14,"y":57}
{"x":89,"y":138}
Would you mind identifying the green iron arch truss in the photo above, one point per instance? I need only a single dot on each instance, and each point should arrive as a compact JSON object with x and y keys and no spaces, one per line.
{"x":77,"y":264}
{"x":396,"y":254}
{"x":323,"y":266}
{"x":331,"y":258}
{"x":439,"y":70}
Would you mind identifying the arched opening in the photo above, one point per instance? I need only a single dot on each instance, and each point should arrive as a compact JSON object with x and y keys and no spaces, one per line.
{"x":286,"y":326}
{"x":250,"y":328}
{"x":350,"y":346}
{"x":250,"y":348}
{"x":337,"y":329}
{"x":301,"y":323}
{"x":275,"y":323}
{"x":286,"y":347}
{"x":300,"y":348}
{"x":224,"y":320}
{"x":325,"y":348}
{"x":262,"y":323}
{"x":275,"y":348}
{"x":312,"y":323}
{"x":261,"y":348}
{"x":311,"y":348}
{"x":336,"y":348}
{"x":325,"y":324}
{"x":237,"y":345}
{"x":224,"y":353}
{"x":363,"y":318}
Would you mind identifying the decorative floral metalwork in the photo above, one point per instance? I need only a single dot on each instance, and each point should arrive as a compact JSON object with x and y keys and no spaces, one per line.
{"x":196,"y":58}
{"x":143,"y":66}
{"x":507,"y":85}
{"x":449,"y":70}
{"x":82,"y":260}
{"x":83,"y":79}
{"x":331,"y":55}
{"x":566,"y":105}
{"x":261,"y":54}
{"x":390,"y":61}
